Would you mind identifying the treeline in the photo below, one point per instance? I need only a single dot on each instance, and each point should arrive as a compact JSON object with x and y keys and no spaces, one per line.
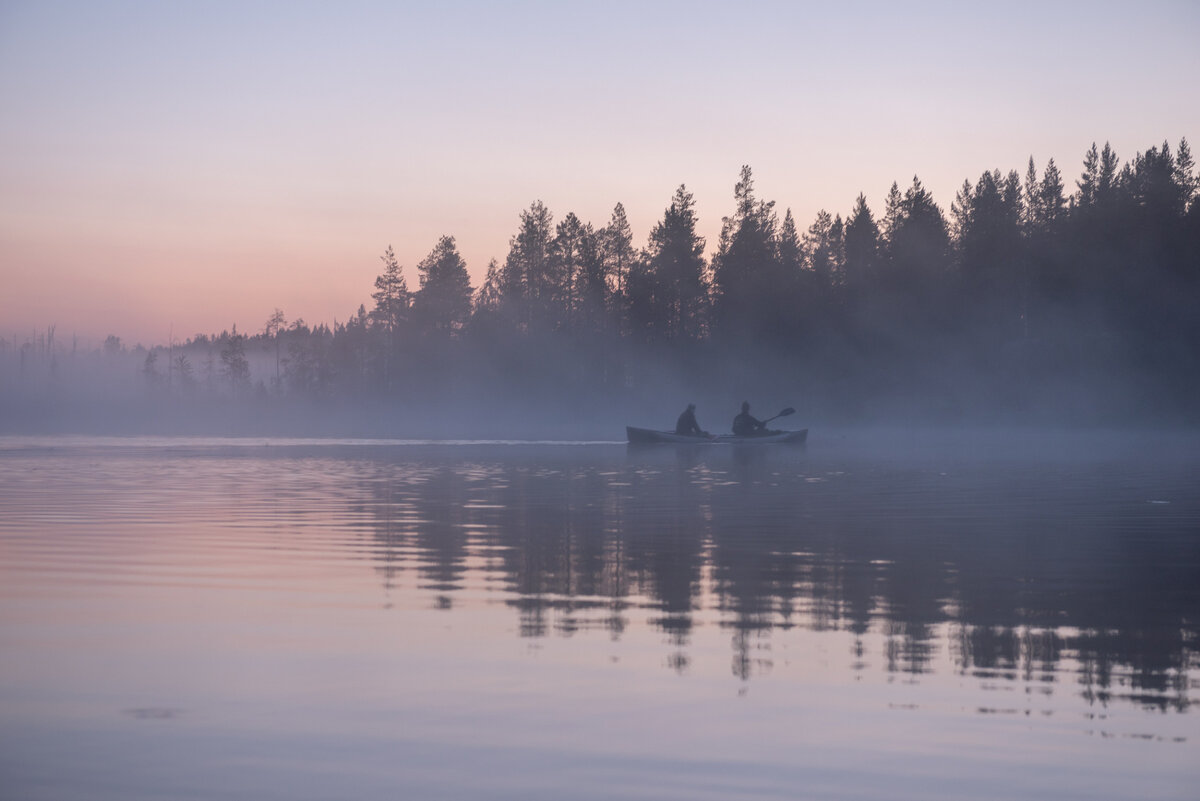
{"x":1021,"y":293}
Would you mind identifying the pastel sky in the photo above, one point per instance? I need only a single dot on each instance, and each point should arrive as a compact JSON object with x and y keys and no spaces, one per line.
{"x":181,"y":167}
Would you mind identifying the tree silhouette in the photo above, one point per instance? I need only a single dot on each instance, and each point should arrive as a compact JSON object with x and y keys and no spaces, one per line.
{"x":675,"y":259}
{"x":991,"y":247}
{"x":528,"y":282}
{"x":1023,"y":288}
{"x":917,"y":259}
{"x":391,"y":294}
{"x":746,"y":272}
{"x":234,"y":365}
{"x":443,"y":303}
{"x":618,"y":256}
{"x":391,"y":312}
{"x":593,"y":286}
{"x":861,"y":244}
{"x":571,"y":239}
{"x":275,"y":324}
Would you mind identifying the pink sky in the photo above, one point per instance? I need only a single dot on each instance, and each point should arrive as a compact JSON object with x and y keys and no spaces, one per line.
{"x":170,"y":168}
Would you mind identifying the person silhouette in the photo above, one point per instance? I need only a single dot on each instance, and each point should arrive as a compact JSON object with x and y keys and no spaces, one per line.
{"x":687,"y":425}
{"x":746,"y":425}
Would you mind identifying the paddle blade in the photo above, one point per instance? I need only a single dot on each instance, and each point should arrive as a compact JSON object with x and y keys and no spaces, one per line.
{"x":786,"y":412}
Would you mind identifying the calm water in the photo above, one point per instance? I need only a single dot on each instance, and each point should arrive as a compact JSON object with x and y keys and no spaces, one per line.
{"x":875,"y":616}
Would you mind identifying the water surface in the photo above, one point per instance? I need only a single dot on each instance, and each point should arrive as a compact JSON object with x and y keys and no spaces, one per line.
{"x":878,"y":615}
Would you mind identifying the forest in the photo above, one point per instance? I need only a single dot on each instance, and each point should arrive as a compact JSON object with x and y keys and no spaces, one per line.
{"x":1024,"y":302}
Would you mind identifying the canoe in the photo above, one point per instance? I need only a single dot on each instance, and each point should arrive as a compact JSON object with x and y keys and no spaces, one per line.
{"x":648,"y":436}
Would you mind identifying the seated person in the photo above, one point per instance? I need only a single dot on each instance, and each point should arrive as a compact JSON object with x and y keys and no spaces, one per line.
{"x":687,"y":425}
{"x":746,"y":425}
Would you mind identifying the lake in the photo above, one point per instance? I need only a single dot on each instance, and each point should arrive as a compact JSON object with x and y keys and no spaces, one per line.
{"x":878,"y":615}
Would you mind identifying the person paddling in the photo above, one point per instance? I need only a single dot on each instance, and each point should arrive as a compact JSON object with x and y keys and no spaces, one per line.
{"x":687,"y":425}
{"x":746,"y":424}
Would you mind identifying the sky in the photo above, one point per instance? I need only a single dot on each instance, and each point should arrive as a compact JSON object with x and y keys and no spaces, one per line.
{"x":168,"y":169}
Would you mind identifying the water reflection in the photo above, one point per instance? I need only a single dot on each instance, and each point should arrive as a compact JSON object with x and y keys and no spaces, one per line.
{"x":1059,"y":573}
{"x":315,"y":620}
{"x":1037,"y":572}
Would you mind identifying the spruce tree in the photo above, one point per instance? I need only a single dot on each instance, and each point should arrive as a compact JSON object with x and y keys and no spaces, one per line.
{"x":443,"y":302}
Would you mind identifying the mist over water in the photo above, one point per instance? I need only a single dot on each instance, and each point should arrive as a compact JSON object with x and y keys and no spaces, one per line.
{"x":1023,"y":302}
{"x":409,"y":554}
{"x":560,"y":400}
{"x":885,"y":613}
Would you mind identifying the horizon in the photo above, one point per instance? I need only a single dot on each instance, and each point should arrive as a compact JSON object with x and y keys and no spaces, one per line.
{"x":169,"y":172}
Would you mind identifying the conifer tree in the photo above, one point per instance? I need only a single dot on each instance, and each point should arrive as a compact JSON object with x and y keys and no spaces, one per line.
{"x":234,"y":364}
{"x":443,"y":302}
{"x":1186,"y":178}
{"x":1106,"y":178}
{"x":528,"y":283}
{"x":566,"y":257}
{"x":488,"y":296}
{"x":1088,"y":183}
{"x":820,"y":249}
{"x":594,"y":285}
{"x":891,"y":214}
{"x":1051,"y":201}
{"x":675,"y":260}
{"x":616,"y":249}
{"x":960,"y":211}
{"x":391,"y":294}
{"x":791,"y":249}
{"x":391,"y":313}
{"x":746,"y":272}
{"x":917,"y":258}
{"x":862,"y":246}
{"x":1032,"y":201}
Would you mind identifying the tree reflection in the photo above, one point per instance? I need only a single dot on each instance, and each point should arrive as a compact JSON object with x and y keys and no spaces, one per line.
{"x":751,"y":544}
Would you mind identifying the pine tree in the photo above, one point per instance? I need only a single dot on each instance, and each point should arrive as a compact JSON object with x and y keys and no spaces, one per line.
{"x":837,"y":250}
{"x":917,"y":252}
{"x":616,"y":249}
{"x":746,"y":271}
{"x":391,"y":313}
{"x":1051,"y":201}
{"x":1032,"y":200}
{"x":528,"y":283}
{"x":862,"y":246}
{"x":1153,"y":186}
{"x":676,"y":262}
{"x":275,"y":323}
{"x":234,"y":364}
{"x":891,"y":214}
{"x":594,"y":285}
{"x":391,"y":294}
{"x":488,"y":296}
{"x":819,"y":249}
{"x":960,"y":211}
{"x":565,"y":255}
{"x":791,"y":250}
{"x":619,"y":257}
{"x":1014,"y":200}
{"x":1089,"y":181}
{"x":1106,"y":180}
{"x":443,"y":302}
{"x":990,"y":243}
{"x":1185,"y":176}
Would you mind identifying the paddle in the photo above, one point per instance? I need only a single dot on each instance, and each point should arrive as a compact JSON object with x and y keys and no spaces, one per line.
{"x":784,"y":413}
